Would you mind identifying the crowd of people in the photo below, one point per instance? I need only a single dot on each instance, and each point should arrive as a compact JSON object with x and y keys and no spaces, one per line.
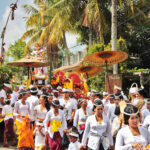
{"x":40,"y":118}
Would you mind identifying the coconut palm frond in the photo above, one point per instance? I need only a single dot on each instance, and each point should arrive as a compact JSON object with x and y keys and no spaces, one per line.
{"x":59,"y":5}
{"x":29,"y":33}
{"x":44,"y":36}
{"x":96,"y":18}
{"x":30,"y":9}
{"x":34,"y":19}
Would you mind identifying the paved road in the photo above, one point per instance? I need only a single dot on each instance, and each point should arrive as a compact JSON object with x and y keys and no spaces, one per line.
{"x":8,"y":148}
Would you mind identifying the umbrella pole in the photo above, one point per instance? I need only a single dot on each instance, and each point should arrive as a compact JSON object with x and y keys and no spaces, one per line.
{"x":28,"y":72}
{"x":107,"y":76}
{"x":87,"y":76}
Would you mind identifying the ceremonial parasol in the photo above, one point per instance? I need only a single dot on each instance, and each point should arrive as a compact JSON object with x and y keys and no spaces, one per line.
{"x":69,"y":68}
{"x":88,"y":71}
{"x":29,"y":61}
{"x":106,"y":58}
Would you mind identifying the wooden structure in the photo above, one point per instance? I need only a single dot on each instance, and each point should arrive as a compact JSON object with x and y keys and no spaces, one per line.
{"x":113,"y":80}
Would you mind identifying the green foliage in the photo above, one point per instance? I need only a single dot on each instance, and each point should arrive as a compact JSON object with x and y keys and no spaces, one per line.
{"x":97,"y":82}
{"x":96,"y":48}
{"x":121,"y":45}
{"x":138,"y":43}
{"x":16,"y":50}
{"x":135,"y":69}
{"x":7,"y":72}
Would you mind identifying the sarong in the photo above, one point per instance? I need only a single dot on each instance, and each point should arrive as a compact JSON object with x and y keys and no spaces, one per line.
{"x":9,"y":131}
{"x":55,"y":142}
{"x":25,"y":132}
{"x":2,"y":126}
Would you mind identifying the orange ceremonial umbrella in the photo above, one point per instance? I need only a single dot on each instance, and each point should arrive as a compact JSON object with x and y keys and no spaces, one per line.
{"x":88,"y":71}
{"x":106,"y":58}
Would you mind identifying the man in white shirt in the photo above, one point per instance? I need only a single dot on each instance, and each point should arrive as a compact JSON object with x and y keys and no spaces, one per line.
{"x":106,"y":101}
{"x":68,"y":107}
{"x":111,"y":111}
{"x":3,"y":93}
{"x":117,"y":89}
{"x":71,"y":95}
{"x":92,"y":98}
{"x":14,"y":96}
{"x":33,"y":101}
{"x":56,"y":95}
{"x":59,"y":88}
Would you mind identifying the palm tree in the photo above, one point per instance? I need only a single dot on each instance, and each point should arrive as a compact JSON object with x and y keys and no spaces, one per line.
{"x":62,"y":22}
{"x":35,"y":23}
{"x":130,"y":8}
{"x":61,"y":16}
{"x":97,"y":15}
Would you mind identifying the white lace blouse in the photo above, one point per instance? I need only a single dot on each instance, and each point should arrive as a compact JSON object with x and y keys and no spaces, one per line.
{"x":125,"y":138}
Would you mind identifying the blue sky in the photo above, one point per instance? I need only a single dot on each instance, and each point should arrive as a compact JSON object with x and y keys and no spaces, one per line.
{"x":16,"y":27}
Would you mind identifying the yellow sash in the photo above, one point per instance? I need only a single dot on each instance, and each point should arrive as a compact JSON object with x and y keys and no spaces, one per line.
{"x":40,"y":147}
{"x":10,"y":114}
{"x":1,"y":120}
{"x":55,"y":125}
{"x":81,"y":122}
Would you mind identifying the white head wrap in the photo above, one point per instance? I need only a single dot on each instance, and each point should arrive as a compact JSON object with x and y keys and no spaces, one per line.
{"x":8,"y":85}
{"x":117,"y":87}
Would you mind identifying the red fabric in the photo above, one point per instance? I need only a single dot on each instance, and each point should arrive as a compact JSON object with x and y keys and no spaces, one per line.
{"x":76,"y":79}
{"x":61,"y":75}
{"x":55,"y":143}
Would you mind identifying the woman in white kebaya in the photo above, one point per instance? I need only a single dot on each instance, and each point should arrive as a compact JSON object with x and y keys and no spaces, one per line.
{"x":132,"y":137}
{"x":40,"y":110}
{"x":22,"y":107}
{"x":98,"y":130}
{"x":23,"y":122}
{"x":58,"y":125}
{"x":81,"y":116}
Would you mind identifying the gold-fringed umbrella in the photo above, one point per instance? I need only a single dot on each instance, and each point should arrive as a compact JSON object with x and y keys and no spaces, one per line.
{"x":29,"y":61}
{"x":88,"y":71}
{"x":69,"y":68}
{"x":106,"y":58}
